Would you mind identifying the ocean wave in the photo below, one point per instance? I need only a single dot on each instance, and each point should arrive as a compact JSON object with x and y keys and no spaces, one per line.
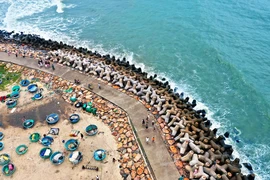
{"x":213,"y":113}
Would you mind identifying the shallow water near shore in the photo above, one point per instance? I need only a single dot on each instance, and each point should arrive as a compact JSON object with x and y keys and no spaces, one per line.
{"x":215,"y":52}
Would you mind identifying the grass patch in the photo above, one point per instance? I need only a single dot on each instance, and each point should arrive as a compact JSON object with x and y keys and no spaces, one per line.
{"x":7,"y":77}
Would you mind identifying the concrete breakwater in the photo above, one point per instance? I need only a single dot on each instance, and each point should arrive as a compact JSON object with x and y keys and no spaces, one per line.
{"x":196,"y":150}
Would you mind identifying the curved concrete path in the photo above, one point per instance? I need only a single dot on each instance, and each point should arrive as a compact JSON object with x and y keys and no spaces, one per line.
{"x":157,"y":154}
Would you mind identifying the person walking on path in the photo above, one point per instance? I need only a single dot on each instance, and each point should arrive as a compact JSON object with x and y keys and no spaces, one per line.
{"x":53,"y":68}
{"x":147,"y":140}
{"x":146,"y":126}
{"x":153,"y":139}
{"x":99,"y":87}
{"x":143,"y":122}
{"x":153,"y":124}
{"x":97,"y":178}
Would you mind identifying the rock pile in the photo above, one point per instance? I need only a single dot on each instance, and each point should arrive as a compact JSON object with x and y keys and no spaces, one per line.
{"x":196,"y":149}
{"x":132,"y":164}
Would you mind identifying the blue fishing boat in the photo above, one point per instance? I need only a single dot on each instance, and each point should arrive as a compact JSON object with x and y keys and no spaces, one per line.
{"x":21,"y":149}
{"x":16,"y":88}
{"x":72,"y":144}
{"x":15,"y":94}
{"x":24,"y":82}
{"x":4,"y":159}
{"x":38,"y":96}
{"x":8,"y":169}
{"x":35,"y":137}
{"x":1,"y":135}
{"x":1,"y":146}
{"x":91,"y":130}
{"x":32,"y":88}
{"x":99,"y":154}
{"x":52,"y":118}
{"x":74,"y":118}
{"x":45,"y":153}
{"x":11,"y":103}
{"x":28,"y":123}
{"x":47,"y":141}
{"x":57,"y":158}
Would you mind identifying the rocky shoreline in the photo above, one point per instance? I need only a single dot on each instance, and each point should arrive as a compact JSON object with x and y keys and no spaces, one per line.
{"x":131,"y":162}
{"x":196,"y":150}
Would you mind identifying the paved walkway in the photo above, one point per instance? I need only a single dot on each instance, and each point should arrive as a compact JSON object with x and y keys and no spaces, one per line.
{"x":156,"y":153}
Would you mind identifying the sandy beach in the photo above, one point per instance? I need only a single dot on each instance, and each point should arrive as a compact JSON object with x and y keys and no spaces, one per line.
{"x":31,"y":165}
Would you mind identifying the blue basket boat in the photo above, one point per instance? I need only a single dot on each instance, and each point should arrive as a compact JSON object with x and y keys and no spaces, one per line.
{"x":28,"y":123}
{"x":1,"y":146}
{"x":57,"y":158}
{"x":35,"y":137}
{"x":79,"y":105}
{"x":38,"y":96}
{"x":24,"y":82}
{"x":74,"y":118}
{"x":11,"y":103}
{"x":52,"y":118}
{"x":4,"y":159}
{"x":99,"y":154}
{"x":16,"y":88}
{"x":21,"y":149}
{"x":75,"y":157}
{"x":73,"y":99}
{"x":47,"y":141}
{"x":32,"y":88}
{"x":8,"y":169}
{"x":72,"y":144}
{"x":1,"y":136}
{"x":45,"y":153}
{"x":91,"y":130}
{"x":15,"y":94}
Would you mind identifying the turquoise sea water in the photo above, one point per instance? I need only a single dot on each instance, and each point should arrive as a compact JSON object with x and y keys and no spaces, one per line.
{"x":217,"y":52}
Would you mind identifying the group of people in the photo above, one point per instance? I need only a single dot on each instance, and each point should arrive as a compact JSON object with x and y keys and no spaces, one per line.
{"x":45,"y":63}
{"x":145,"y":123}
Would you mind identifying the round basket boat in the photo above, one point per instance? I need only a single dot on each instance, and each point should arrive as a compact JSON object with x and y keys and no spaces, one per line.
{"x":16,"y":88}
{"x":35,"y":137}
{"x":24,"y":82}
{"x":57,"y":158}
{"x":1,"y":136}
{"x":21,"y":149}
{"x":99,"y":154}
{"x":72,"y":144}
{"x":4,"y":159}
{"x":47,"y":141}
{"x":38,"y":96}
{"x":74,"y":118}
{"x":11,"y":103}
{"x":52,"y":118}
{"x":1,"y":146}
{"x":45,"y":153}
{"x":8,"y":169}
{"x":73,"y":99}
{"x":15,"y":94}
{"x":32,"y":88}
{"x":75,"y":157}
{"x":78,"y":105}
{"x":91,"y":130}
{"x":28,"y":123}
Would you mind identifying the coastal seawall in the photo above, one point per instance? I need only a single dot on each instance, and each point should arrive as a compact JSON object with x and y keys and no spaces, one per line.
{"x":193,"y":145}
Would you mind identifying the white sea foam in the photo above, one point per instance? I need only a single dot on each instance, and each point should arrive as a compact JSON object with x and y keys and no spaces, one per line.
{"x":60,"y":6}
